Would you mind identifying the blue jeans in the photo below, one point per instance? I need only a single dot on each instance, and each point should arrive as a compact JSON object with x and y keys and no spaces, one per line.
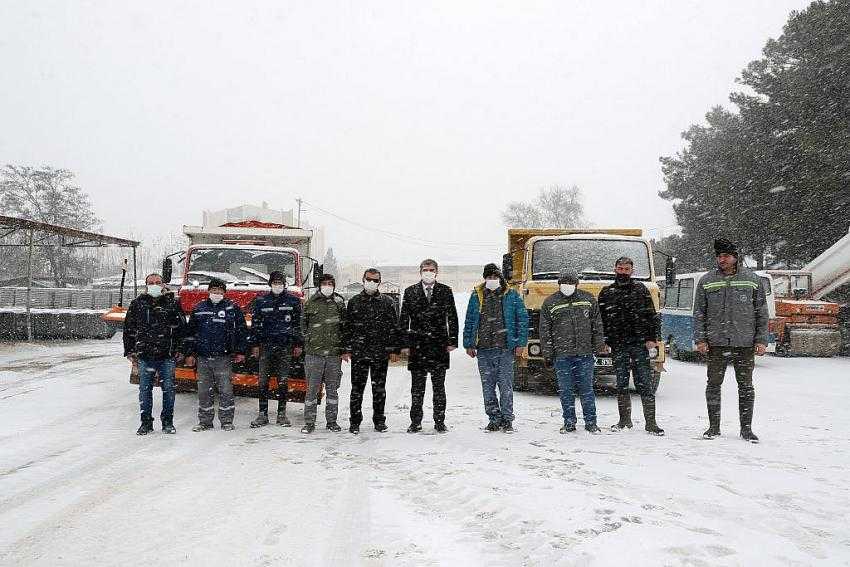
{"x":147,"y":375}
{"x":633,"y":355}
{"x":496,"y":366}
{"x":575,"y":376}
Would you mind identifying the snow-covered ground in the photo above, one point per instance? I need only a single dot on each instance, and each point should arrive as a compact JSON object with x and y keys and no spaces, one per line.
{"x":78,"y":487}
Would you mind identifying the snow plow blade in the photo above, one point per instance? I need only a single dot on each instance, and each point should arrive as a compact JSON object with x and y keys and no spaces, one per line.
{"x":814,"y":342}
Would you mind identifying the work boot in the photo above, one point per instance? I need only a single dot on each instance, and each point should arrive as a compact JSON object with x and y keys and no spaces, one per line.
{"x":282,"y":420}
{"x":624,"y":406}
{"x":354,"y":429}
{"x":649,"y":415}
{"x":261,"y":420}
{"x":492,"y":426}
{"x":440,"y":427}
{"x":713,"y":405}
{"x":594,"y":429}
{"x":145,"y":428}
{"x":202,"y":427}
{"x":508,"y":427}
{"x":748,"y":435}
{"x":168,"y":427}
{"x":381,"y":427}
{"x":308,"y":428}
{"x":334,"y":426}
{"x":414,"y":428}
{"x":568,"y":428}
{"x":227,"y":427}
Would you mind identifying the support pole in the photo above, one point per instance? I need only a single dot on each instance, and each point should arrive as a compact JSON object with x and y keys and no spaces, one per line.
{"x":29,"y":287}
{"x":135,"y":277}
{"x":298,"y":200}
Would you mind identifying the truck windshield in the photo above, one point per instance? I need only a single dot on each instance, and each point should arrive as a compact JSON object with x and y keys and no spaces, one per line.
{"x":593,"y":259}
{"x":239,"y":265}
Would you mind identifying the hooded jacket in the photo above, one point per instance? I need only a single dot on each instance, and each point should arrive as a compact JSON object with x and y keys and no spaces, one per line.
{"x":628,"y":313}
{"x":730,"y":310}
{"x":154,"y":327}
{"x":570,"y":325}
{"x":513,"y":311}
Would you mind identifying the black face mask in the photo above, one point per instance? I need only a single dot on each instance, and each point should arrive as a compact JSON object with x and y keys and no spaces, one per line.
{"x":622,"y":278}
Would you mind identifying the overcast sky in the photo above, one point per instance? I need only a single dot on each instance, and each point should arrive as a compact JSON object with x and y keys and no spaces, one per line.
{"x":419,"y":118}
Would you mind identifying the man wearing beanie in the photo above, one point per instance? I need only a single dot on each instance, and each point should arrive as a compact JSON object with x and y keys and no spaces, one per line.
{"x":276,"y":340}
{"x":216,"y":332}
{"x":730,"y":325}
{"x":570,"y":333}
{"x":495,"y":331}
{"x":323,"y":326}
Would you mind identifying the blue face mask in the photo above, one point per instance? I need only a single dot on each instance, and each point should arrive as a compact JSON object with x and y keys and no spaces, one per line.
{"x":154,"y":290}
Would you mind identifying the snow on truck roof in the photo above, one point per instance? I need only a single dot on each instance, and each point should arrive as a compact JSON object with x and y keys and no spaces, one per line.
{"x":247,"y":246}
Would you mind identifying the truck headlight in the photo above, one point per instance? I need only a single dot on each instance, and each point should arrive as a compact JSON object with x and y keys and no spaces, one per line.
{"x":534,"y":350}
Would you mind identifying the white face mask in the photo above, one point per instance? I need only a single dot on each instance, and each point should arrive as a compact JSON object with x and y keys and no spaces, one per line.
{"x":278,"y":289}
{"x":567,"y":289}
{"x":327,"y":290}
{"x":370,"y":286}
{"x":154,"y":290}
{"x":492,"y":285}
{"x":216,"y":297}
{"x":429,"y":277}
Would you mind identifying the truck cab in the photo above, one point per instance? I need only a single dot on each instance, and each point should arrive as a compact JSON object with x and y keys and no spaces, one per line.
{"x":534,"y":259}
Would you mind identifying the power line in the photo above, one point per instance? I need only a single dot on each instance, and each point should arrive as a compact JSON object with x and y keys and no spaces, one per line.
{"x":405,"y":237}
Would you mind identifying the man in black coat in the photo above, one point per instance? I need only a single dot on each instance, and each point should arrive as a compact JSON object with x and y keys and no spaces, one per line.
{"x":154,"y":327}
{"x":429,"y":327}
{"x":631,"y":328}
{"x":372,"y":342}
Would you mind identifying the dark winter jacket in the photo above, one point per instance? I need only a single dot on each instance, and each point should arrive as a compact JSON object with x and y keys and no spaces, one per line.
{"x":154,"y":327}
{"x":514,"y":314}
{"x":372,"y":326}
{"x":570,"y":325}
{"x":216,"y":330}
{"x":730,"y":310}
{"x":324,"y":325}
{"x":276,"y":320}
{"x":427,"y":329}
{"x":628,"y":313}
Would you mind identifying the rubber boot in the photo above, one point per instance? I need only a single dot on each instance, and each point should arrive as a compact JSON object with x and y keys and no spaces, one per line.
{"x":624,"y":406}
{"x":713,"y":418}
{"x":649,"y":415}
{"x":746,"y":402}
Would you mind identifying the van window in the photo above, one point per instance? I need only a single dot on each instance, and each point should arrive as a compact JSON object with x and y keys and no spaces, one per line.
{"x":686,"y":293}
{"x":671,"y":297}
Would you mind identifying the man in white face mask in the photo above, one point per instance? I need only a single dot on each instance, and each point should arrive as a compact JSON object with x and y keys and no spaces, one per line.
{"x":153,"y":330}
{"x":495,"y":331}
{"x":323,"y":325}
{"x":429,"y":327}
{"x":276,"y":339}
{"x":570,"y":333}
{"x":218,"y":337}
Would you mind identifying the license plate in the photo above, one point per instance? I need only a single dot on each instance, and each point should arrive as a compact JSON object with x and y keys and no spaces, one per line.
{"x":604,"y":362}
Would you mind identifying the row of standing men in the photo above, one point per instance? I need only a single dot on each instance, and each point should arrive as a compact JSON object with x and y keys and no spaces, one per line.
{"x":369,"y":333}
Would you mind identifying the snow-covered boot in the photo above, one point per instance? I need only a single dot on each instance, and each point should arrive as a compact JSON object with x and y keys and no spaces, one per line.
{"x":168,"y":427}
{"x":649,"y":415}
{"x":261,"y":419}
{"x":624,"y":406}
{"x":748,"y":435}
{"x":145,"y":428}
{"x":282,"y":420}
{"x":712,"y":402}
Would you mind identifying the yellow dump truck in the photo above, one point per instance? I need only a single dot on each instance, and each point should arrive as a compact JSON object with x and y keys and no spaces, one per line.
{"x":531,"y":266}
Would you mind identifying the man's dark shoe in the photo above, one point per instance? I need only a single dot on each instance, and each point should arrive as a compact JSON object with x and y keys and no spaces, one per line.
{"x":168,"y":428}
{"x":202,"y":427}
{"x":380,"y":428}
{"x":144,"y":428}
{"x":592,"y":429}
{"x":748,"y":435}
{"x":282,"y":420}
{"x":261,"y":420}
{"x":440,"y":427}
{"x":711,"y":432}
{"x":492,"y":426}
{"x":227,"y":427}
{"x":354,"y":429}
{"x":308,"y":428}
{"x":653,"y":429}
{"x":508,"y":427}
{"x":414,"y":428}
{"x":334,"y":427}
{"x":568,"y":428}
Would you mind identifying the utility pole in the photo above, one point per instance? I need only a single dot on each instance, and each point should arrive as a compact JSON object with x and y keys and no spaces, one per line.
{"x":298,"y":200}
